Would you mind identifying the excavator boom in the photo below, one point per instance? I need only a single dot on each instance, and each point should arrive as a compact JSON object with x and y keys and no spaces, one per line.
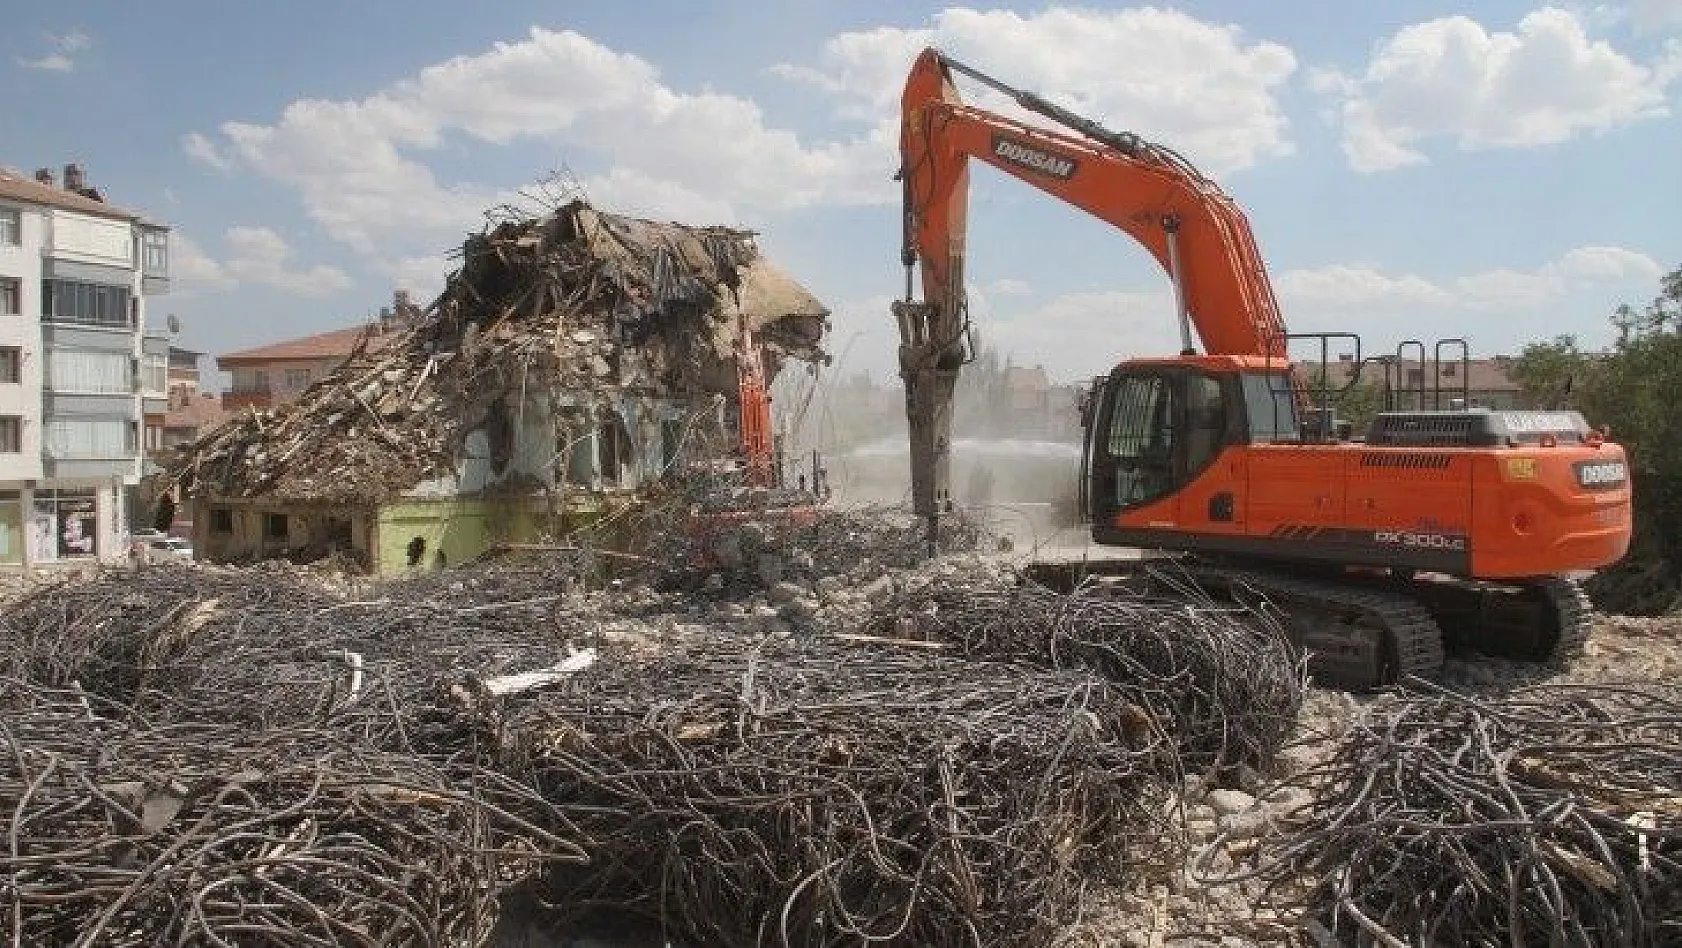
{"x":1199,"y":236}
{"x":1218,"y":458}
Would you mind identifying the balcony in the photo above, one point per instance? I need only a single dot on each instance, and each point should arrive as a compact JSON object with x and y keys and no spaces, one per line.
{"x":243,"y":396}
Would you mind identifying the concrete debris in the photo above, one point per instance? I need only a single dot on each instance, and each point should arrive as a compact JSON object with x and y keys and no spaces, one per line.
{"x":656,"y":737}
{"x":579,"y":302}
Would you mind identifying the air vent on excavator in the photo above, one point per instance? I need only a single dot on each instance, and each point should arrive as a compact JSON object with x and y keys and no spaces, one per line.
{"x":1476,"y":428}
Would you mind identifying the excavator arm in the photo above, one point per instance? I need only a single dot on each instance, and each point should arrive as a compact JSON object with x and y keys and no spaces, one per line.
{"x":1197,"y":234}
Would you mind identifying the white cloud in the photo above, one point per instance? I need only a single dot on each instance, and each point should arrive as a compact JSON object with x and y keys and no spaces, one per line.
{"x":1364,"y":287}
{"x":191,"y":268}
{"x":255,"y":255}
{"x":358,"y":163}
{"x":1009,"y":286}
{"x":1356,"y":285}
{"x":52,"y":62}
{"x":422,"y":276}
{"x":1547,"y":82}
{"x":259,"y":255}
{"x":1198,"y":87}
{"x":62,"y":57}
{"x":200,"y":148}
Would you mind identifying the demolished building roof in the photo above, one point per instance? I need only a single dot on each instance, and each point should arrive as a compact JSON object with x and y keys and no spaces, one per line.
{"x":578,"y":300}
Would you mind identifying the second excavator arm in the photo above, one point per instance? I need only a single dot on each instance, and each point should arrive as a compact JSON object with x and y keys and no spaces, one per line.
{"x":1199,"y":236}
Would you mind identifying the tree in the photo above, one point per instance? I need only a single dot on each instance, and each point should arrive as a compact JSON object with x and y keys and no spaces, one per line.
{"x":1636,"y":390}
{"x":1549,"y":373}
{"x":1356,"y":401}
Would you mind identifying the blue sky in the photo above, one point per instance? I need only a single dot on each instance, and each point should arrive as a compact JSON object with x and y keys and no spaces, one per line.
{"x":1409,"y":169}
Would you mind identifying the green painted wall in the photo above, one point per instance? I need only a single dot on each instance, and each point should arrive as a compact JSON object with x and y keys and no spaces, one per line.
{"x":464,"y":528}
{"x":460,"y":529}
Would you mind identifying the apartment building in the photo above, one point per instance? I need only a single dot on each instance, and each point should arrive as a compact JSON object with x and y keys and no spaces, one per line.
{"x":78,"y":371}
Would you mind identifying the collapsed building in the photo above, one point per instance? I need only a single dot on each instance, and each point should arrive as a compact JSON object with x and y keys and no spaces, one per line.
{"x":576,"y":363}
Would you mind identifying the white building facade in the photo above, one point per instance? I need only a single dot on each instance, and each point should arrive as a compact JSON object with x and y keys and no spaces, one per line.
{"x":78,"y":371}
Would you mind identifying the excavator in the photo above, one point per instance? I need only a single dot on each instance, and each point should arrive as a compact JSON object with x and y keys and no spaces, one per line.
{"x":1439,"y":526}
{"x":729,"y":525}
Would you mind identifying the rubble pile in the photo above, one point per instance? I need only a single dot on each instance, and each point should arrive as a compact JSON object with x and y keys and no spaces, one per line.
{"x":1226,"y":682}
{"x":832,"y":787}
{"x":131,"y":832}
{"x":767,"y":546}
{"x":1552,"y":815}
{"x":826,"y":794}
{"x":576,"y":301}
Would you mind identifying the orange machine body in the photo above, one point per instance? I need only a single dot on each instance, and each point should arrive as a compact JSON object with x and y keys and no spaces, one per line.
{"x":1488,"y":495}
{"x":1532,"y":507}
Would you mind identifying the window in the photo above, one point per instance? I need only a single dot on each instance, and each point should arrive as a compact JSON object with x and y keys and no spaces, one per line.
{"x":154,"y":253}
{"x":11,"y":364}
{"x":154,"y":374}
{"x":1205,"y":422}
{"x":11,"y":227}
{"x":11,"y":434}
{"x":90,"y":439}
{"x":221,"y":520}
{"x":154,"y":437}
{"x":1416,"y":376}
{"x":274,"y":526}
{"x":297,"y":378}
{"x":1450,"y":368}
{"x":86,"y":304}
{"x":1141,"y":438}
{"x":11,"y":296}
{"x":1270,"y":401}
{"x":90,"y":371}
{"x":74,"y":517}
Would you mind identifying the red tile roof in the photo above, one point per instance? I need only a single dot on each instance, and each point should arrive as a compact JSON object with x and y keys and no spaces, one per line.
{"x":328,"y":345}
{"x":31,"y":191}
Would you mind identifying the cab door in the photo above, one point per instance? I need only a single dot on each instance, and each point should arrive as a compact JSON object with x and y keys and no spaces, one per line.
{"x":1156,"y":453}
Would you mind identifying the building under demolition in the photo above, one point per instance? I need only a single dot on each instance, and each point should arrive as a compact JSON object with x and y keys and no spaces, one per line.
{"x":574,"y":364}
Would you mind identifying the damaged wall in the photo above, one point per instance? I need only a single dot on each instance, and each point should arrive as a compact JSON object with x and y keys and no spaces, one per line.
{"x":574,"y":353}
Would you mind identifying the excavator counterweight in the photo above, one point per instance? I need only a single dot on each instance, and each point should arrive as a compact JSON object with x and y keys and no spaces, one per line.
{"x":1437,"y":526}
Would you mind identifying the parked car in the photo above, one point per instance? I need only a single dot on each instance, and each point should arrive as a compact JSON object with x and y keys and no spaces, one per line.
{"x":167,"y":548}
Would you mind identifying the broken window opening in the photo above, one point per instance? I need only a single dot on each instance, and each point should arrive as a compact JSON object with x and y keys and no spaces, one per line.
{"x":417,"y":550}
{"x":274,"y":526}
{"x":499,"y":436}
{"x":337,"y":533}
{"x":221,"y":520}
{"x":671,"y":442}
{"x":613,"y":446}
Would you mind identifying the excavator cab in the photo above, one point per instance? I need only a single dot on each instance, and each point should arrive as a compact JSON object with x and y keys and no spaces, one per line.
{"x":1155,"y":427}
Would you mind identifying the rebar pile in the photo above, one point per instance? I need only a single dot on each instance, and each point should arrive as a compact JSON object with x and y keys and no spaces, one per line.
{"x":831,"y":542}
{"x":1552,"y":816}
{"x":823,"y":795}
{"x":122,"y":832}
{"x":1226,"y":682}
{"x":265,"y":649}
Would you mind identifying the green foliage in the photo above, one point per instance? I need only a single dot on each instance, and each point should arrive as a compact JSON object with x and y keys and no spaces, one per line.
{"x":1548,"y":373}
{"x":1636,"y":390}
{"x":1356,"y":401}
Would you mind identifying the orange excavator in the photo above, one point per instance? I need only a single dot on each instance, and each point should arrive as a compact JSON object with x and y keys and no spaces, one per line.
{"x":1440,"y":526}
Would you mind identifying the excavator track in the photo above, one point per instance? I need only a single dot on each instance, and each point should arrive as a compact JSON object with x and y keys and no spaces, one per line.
{"x":1544,"y":620}
{"x":1366,"y":632}
{"x":1358,"y":638}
